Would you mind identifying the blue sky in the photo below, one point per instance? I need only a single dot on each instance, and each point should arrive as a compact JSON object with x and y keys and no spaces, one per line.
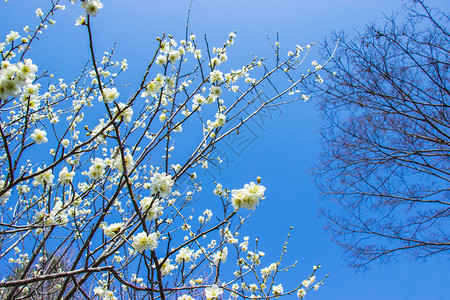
{"x":283,"y":150}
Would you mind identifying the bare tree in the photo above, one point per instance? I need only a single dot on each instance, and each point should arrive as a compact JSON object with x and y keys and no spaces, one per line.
{"x":386,"y":139}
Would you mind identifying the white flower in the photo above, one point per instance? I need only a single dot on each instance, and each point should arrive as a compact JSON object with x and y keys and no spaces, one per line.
{"x":129,"y":161}
{"x":45,"y":178}
{"x":177,"y":128}
{"x":277,"y":290}
{"x":248,"y":196}
{"x":65,"y":143}
{"x":161,"y":184}
{"x":31,"y":101}
{"x":216,"y":91}
{"x":150,"y":206}
{"x":215,"y":76}
{"x":184,"y":255}
{"x":8,"y":87}
{"x":81,"y":20}
{"x":30,"y":89}
{"x":220,"y":256}
{"x":66,"y":177}
{"x":142,"y":241}
{"x":308,"y":282}
{"x":92,"y":7}
{"x":166,"y":267}
{"x":26,"y":70}
{"x":126,"y":114}
{"x":99,"y":291}
{"x":39,"y":12}
{"x":162,"y":117}
{"x":185,"y":297}
{"x":109,"y":295}
{"x":6,"y":194}
{"x":198,"y":101}
{"x":109,"y":95}
{"x":161,"y":59}
{"x":12,"y":36}
{"x":213,"y":292}
{"x":113,"y":229}
{"x":124,"y":65}
{"x":301,"y":293}
{"x":198,"y":53}
{"x":173,"y":56}
{"x":97,"y":169}
{"x":273,"y":267}
{"x":39,"y":136}
{"x":220,"y":120}
{"x":23,"y":189}
{"x":265,"y":272}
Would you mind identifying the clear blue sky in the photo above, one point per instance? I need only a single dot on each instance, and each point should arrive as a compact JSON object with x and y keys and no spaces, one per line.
{"x":285,"y":148}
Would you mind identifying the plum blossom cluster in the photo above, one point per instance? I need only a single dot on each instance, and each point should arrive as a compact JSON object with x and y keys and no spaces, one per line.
{"x":17,"y":79}
{"x":99,"y":193}
{"x":247,"y":197}
{"x":161,"y":184}
{"x":143,"y":241}
{"x":92,"y":7}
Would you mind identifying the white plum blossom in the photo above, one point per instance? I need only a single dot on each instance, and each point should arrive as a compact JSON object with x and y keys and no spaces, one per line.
{"x":65,"y":143}
{"x":103,"y":293}
{"x":26,"y":70}
{"x":220,"y":120}
{"x":185,"y":297}
{"x":66,"y":177}
{"x":12,"y":36}
{"x":31,"y":101}
{"x":198,"y":101}
{"x":220,"y":256}
{"x":92,"y":7}
{"x":8,"y":87}
{"x":129,"y":161}
{"x":39,"y":136}
{"x":166,"y":267}
{"x":6,"y":194}
{"x":161,"y":59}
{"x":30,"y":89}
{"x":213,"y":292}
{"x":173,"y":56}
{"x":97,"y":169}
{"x":277,"y":290}
{"x":306,"y":283}
{"x":247,"y":197}
{"x":143,"y":241}
{"x":81,"y":20}
{"x":126,"y":112}
{"x":45,"y":178}
{"x":184,"y":255}
{"x":216,"y":91}
{"x":109,"y":95}
{"x":124,"y":65}
{"x":39,"y":12}
{"x":161,"y":184}
{"x":151,"y":207}
{"x":15,"y":76}
{"x":113,"y":229}
{"x":216,"y":76}
{"x":23,"y":189}
{"x":301,"y":293}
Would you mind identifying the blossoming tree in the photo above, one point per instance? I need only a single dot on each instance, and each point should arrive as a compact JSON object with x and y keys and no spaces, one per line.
{"x":92,"y":202}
